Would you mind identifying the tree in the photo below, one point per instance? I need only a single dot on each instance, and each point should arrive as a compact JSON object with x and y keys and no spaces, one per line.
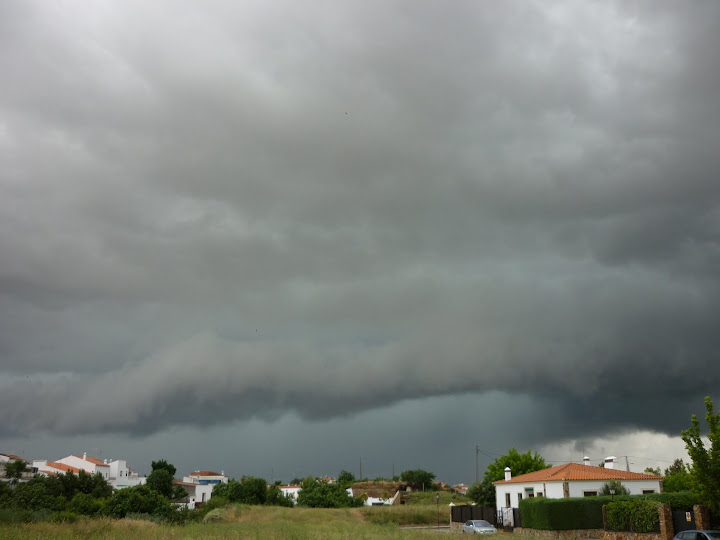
{"x":346,"y":478}
{"x":162,"y":464}
{"x":615,"y":485}
{"x":161,"y":481}
{"x":677,"y":477}
{"x":482,"y":493}
{"x":706,"y":462}
{"x":15,"y":469}
{"x":518,"y":463}
{"x":655,"y":471}
{"x":419,"y":479}
{"x":320,"y":495}
{"x":275,"y":497}
{"x":678,"y":466}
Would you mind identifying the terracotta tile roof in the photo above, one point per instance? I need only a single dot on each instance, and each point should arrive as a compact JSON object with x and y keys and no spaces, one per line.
{"x":181,"y":483}
{"x":63,"y":467}
{"x":204,"y":473}
{"x":13,"y":457}
{"x":576,"y":471}
{"x":94,"y":460}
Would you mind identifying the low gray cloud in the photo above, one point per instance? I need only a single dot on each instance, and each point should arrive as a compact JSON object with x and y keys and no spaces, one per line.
{"x":244,"y":212}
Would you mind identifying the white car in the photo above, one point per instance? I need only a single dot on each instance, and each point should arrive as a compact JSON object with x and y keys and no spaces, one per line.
{"x":478,"y":526}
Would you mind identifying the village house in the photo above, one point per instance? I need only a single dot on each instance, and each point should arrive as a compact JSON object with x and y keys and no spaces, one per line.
{"x":199,"y":485}
{"x":568,"y":480}
{"x":9,"y":458}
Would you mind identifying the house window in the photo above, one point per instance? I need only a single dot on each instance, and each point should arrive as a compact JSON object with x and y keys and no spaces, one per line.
{"x":507,"y":500}
{"x":589,"y":493}
{"x":519,"y":497}
{"x":539,"y":494}
{"x":531,"y":495}
{"x":648,"y":491}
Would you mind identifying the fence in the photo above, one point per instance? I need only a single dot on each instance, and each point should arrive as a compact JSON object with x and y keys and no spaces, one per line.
{"x":461,"y":514}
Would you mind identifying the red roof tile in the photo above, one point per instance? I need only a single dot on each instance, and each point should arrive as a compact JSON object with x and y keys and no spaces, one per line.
{"x":13,"y":457}
{"x":204,"y":473}
{"x":63,"y":467}
{"x":576,"y":471}
{"x":94,"y":460}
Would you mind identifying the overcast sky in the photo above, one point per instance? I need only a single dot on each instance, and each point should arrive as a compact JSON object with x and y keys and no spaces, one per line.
{"x":279,"y":237}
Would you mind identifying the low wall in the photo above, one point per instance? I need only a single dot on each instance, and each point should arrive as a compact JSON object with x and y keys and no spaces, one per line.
{"x":617,"y":535}
{"x":560,"y":535}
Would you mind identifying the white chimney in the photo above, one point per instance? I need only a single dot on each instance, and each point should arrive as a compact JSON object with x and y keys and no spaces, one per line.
{"x":586,"y":460}
{"x":508,"y":474}
{"x":84,"y":456}
{"x":610,"y":462}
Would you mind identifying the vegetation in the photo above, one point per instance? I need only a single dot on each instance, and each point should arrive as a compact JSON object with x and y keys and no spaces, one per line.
{"x":15,"y":469}
{"x":705,"y":462}
{"x":638,"y":515}
{"x":678,"y":477}
{"x":483,"y":493}
{"x":613,"y":487}
{"x":316,"y":494}
{"x":346,"y":479}
{"x":563,"y":514}
{"x":238,"y":521}
{"x":419,"y":479}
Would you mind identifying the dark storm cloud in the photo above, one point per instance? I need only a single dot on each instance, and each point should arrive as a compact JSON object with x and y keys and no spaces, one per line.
{"x":234,"y":212}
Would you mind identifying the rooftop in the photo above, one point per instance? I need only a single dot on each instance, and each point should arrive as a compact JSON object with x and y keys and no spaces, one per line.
{"x":576,"y":471}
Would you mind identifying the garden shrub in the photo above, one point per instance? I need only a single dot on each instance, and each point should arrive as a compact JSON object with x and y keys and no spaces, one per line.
{"x":563,"y":514}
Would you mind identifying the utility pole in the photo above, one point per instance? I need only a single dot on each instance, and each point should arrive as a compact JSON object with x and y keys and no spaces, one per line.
{"x":477,"y":466}
{"x":361,"y":476}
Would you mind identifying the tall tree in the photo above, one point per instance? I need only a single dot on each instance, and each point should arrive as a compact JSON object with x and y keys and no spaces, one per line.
{"x":484,"y":492}
{"x":163,"y":464}
{"x":705,"y":461}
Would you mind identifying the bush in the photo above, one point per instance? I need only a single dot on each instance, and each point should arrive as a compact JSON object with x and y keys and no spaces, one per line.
{"x":639,"y":515}
{"x":563,"y":514}
{"x":681,"y":500}
{"x":62,"y":517}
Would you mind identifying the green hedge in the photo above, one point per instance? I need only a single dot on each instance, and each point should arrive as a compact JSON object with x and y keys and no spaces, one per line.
{"x":586,"y":512}
{"x":563,"y":514}
{"x":639,"y":515}
{"x":680,"y":500}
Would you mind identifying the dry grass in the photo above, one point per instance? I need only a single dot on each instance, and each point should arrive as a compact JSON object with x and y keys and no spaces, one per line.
{"x":237,"y":522}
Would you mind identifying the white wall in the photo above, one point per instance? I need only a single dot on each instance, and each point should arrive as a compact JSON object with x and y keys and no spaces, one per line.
{"x":636,"y":487}
{"x":554,"y":490}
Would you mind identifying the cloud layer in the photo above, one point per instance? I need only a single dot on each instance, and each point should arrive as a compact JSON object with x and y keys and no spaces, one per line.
{"x":239,"y":211}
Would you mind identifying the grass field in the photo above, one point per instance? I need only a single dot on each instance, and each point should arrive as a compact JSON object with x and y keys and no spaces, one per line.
{"x":251,"y":522}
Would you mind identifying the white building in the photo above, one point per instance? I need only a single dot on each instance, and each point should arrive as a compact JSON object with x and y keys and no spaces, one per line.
{"x":199,"y":485}
{"x":291,"y":491}
{"x":53,"y":468}
{"x":88,"y":464}
{"x":376,"y":494}
{"x":8,"y":458}
{"x":568,"y":480}
{"x":122,"y":476}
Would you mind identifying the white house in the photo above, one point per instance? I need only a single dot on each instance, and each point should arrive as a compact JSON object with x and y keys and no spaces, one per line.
{"x":8,"y":458}
{"x":53,"y":468}
{"x":122,"y":476}
{"x":290,"y":491}
{"x":199,"y":485}
{"x":568,"y":480}
{"x":88,"y":464}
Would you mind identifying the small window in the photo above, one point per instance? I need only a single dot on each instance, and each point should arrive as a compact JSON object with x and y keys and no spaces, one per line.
{"x":507,"y":500}
{"x":519,"y":497}
{"x":589,"y":493}
{"x":539,"y":494}
{"x":648,"y":491}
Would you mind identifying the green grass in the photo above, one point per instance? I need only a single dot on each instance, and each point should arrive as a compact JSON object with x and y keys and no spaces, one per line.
{"x":257,"y":522}
{"x":428,"y":497}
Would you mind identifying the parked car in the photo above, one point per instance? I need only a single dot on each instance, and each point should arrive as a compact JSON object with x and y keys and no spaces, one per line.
{"x":697,"y":535}
{"x":479,"y":526}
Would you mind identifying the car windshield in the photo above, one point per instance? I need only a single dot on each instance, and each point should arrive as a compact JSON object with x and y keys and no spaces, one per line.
{"x":481,"y":523}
